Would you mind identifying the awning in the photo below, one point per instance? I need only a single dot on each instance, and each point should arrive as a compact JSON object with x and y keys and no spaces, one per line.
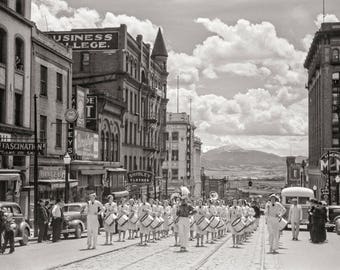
{"x":57,"y":183}
{"x":9,"y":177}
{"x":92,"y":172}
{"x":119,"y":194}
{"x":118,"y":170}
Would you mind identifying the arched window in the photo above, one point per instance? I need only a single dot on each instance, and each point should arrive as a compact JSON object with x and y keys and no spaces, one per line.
{"x":19,"y":54}
{"x":107,"y":138}
{"x":113,"y":147}
{"x":116,"y":148}
{"x":19,"y":7}
{"x":335,"y":55}
{"x":102,"y":137}
{"x":3,"y":46}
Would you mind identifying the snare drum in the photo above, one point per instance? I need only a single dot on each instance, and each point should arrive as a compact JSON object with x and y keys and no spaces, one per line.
{"x":238,"y":225}
{"x":146,"y":220}
{"x":110,"y":219}
{"x":122,"y":220}
{"x":170,"y":221}
{"x":134,"y":219}
{"x":161,"y":221}
{"x":192,"y":222}
{"x":214,"y":222}
{"x":282,"y":223}
{"x":203,"y":223}
{"x":220,"y":224}
{"x":155,"y":223}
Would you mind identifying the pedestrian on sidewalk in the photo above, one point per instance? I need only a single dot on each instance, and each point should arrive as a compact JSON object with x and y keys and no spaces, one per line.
{"x":42,"y":218}
{"x":184,"y":212}
{"x":274,"y":211}
{"x":8,"y":231}
{"x":294,"y":218}
{"x":48,"y":208}
{"x":57,"y":219}
{"x":92,"y":210}
{"x":319,"y":219}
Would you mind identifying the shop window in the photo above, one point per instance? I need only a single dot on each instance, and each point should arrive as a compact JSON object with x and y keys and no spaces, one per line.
{"x":43,"y":128}
{"x":18,"y":109}
{"x":2,"y":105}
{"x":174,"y":136}
{"x":3,"y":46}
{"x":19,"y":7}
{"x":19,"y":161}
{"x":174,"y":174}
{"x":19,"y":54}
{"x":58,"y":133}
{"x":174,"y":155}
{"x":43,"y":80}
{"x":85,"y":61}
{"x":59,"y":87}
{"x":335,"y":55}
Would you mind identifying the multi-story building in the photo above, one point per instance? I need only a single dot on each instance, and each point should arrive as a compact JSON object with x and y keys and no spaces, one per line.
{"x":130,"y":84}
{"x":296,"y":174}
{"x":15,"y":99}
{"x":182,"y":165}
{"x":52,"y":84}
{"x":323,"y":65}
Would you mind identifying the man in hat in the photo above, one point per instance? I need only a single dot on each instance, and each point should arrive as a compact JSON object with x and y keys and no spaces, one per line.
{"x":295,"y":217}
{"x":57,"y":219}
{"x":274,"y":211}
{"x":42,"y":218}
{"x":183,"y":212}
{"x":92,"y":210}
{"x":311,"y":210}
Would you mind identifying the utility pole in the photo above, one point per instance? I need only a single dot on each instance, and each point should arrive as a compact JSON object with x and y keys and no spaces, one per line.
{"x":35,"y":167}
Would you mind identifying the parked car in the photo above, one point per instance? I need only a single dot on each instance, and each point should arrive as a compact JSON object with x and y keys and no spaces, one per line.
{"x":22,"y":228}
{"x":333,"y":216}
{"x":74,"y":220}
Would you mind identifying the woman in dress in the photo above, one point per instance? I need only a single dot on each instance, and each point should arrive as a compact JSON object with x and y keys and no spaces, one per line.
{"x":132,"y":224}
{"x":175,"y":219}
{"x":109,"y":227}
{"x":143,"y":210}
{"x":200,"y":232}
{"x":166,"y":217}
{"x":123,"y":209}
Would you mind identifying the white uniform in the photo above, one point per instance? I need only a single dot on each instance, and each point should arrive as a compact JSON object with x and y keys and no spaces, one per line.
{"x":166,"y":216}
{"x":235,"y":212}
{"x":123,"y":210}
{"x":110,"y":208}
{"x":295,"y":217}
{"x":273,"y":212}
{"x":133,"y":210}
{"x":201,"y":212}
{"x":175,"y":218}
{"x":144,"y":209}
{"x":92,"y":210}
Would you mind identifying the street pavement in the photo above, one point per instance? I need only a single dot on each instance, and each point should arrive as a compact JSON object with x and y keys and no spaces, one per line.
{"x":252,"y":255}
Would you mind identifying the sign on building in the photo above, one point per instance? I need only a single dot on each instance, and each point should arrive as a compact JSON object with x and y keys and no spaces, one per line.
{"x":21,"y":148}
{"x":86,"y":144}
{"x":139,"y":177}
{"x":330,"y":162}
{"x":91,"y":112}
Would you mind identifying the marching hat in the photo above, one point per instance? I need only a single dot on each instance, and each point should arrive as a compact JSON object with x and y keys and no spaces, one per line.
{"x":275,"y":196}
{"x":93,"y":194}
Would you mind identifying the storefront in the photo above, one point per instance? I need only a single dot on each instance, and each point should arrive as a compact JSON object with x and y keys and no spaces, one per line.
{"x":10,"y":183}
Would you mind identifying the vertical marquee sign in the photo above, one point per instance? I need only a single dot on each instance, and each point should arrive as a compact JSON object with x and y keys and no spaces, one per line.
{"x":188,"y":152}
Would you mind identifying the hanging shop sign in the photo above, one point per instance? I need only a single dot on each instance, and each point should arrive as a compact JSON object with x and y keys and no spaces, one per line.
{"x":91,"y":112}
{"x":87,"y":41}
{"x":140,"y":177}
{"x":188,"y":152}
{"x":21,"y":148}
{"x":86,"y":144}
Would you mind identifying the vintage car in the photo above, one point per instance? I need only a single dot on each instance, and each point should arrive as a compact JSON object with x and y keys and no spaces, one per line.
{"x":334,"y":218}
{"x":22,"y":228}
{"x":74,"y":220}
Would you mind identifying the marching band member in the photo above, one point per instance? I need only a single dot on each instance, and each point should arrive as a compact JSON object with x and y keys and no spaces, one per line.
{"x":241,"y":235}
{"x":192,"y":224}
{"x":159,"y":211}
{"x":273,"y":212}
{"x":210,"y":214}
{"x":123,"y":209}
{"x":144,"y":209}
{"x":132,"y":226}
{"x":175,"y":219}
{"x":235,"y":212}
{"x":92,"y":209}
{"x":154,"y":215}
{"x":166,"y":216}
{"x":110,"y":208}
{"x":200,"y":213}
{"x":184,"y":212}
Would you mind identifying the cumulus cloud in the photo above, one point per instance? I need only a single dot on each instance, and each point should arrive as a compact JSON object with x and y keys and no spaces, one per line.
{"x":54,"y":15}
{"x":328,"y":18}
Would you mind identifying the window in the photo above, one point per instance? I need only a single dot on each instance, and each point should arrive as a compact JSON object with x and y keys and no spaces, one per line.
{"x":3,"y":2}
{"x":135,"y":103}
{"x":335,"y":78}
{"x":126,"y":127}
{"x":127,"y":63}
{"x":140,"y":163}
{"x":59,"y":87}
{"x":19,"y":54}
{"x":335,"y":55}
{"x":19,"y":7}
{"x":116,"y":149}
{"x":18,"y":109}
{"x":135,"y":134}
{"x":130,"y":141}
{"x":3,"y":46}
{"x":165,"y":173}
{"x":174,"y":155}
{"x":174,"y":174}
{"x":174,"y":136}
{"x":85,"y":61}
{"x":135,"y":70}
{"x":143,"y":77}
{"x":43,"y":80}
{"x":107,"y":142}
{"x":58,"y":133}
{"x":130,"y":163}
{"x":135,"y":163}
{"x":166,"y":136}
{"x":167,"y":155}
{"x":102,"y":138}
{"x":131,"y":102}
{"x":125,"y":162}
{"x":126,"y":98}
{"x":2,"y":105}
{"x":43,"y":128}
{"x":131,"y":67}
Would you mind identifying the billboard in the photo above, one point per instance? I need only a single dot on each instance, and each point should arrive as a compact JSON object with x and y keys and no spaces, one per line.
{"x":87,"y":41}
{"x":86,"y":144}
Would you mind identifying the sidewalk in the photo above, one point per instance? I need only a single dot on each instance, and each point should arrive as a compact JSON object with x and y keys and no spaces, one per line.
{"x":46,"y":255}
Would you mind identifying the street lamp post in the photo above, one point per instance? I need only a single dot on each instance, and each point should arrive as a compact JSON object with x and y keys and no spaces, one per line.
{"x":314,"y":189}
{"x":67,"y":162}
{"x":337,"y":180}
{"x":303,"y":165}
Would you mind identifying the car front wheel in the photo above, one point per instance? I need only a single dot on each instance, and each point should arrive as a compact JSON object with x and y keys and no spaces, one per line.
{"x":25,"y":235}
{"x":78,"y":232}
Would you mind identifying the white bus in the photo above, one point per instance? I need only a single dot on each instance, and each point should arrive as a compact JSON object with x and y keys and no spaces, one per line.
{"x":303,"y":195}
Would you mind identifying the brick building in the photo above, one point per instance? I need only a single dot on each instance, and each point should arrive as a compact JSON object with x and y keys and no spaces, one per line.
{"x":130,"y":83}
{"x":323,"y":65}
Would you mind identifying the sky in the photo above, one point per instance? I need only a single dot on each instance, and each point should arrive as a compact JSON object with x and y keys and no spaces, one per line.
{"x":239,"y":61}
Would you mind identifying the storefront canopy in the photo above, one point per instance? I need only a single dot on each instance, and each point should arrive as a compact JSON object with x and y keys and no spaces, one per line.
{"x":117,"y":170}
{"x":92,"y":172}
{"x":9,"y":177}
{"x":119,"y":194}
{"x":57,"y":183}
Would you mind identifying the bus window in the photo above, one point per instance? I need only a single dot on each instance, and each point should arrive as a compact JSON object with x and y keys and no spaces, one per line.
{"x":303,"y":200}
{"x":289,"y":199}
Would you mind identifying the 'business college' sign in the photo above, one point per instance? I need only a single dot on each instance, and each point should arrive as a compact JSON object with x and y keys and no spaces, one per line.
{"x":87,"y":40}
{"x":139,"y":177}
